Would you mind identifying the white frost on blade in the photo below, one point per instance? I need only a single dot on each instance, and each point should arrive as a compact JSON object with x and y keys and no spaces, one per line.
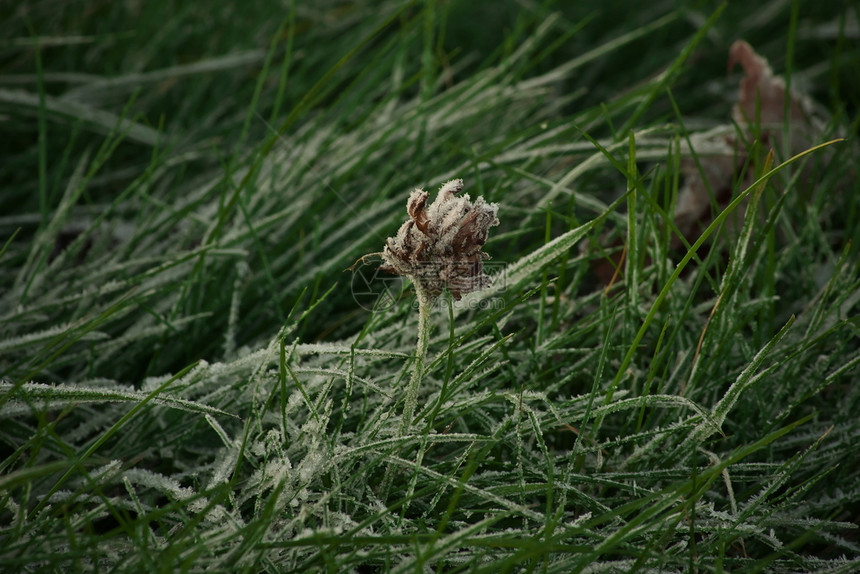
{"x":166,"y":485}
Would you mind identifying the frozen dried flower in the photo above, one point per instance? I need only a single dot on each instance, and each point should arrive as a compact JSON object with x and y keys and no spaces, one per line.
{"x":440,"y":245}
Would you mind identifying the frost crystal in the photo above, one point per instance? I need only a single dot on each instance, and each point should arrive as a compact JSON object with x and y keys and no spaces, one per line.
{"x":440,"y":245}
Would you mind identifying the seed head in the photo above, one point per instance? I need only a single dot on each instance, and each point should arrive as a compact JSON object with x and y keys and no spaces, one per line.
{"x":440,"y":244}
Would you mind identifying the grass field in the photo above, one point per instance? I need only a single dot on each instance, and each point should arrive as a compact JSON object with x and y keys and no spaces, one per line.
{"x":200,"y":371}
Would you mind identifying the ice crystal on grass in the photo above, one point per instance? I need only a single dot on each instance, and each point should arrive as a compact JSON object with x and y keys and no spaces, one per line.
{"x":440,"y":244}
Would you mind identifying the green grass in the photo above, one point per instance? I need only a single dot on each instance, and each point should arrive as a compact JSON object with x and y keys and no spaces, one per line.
{"x":189,"y":384}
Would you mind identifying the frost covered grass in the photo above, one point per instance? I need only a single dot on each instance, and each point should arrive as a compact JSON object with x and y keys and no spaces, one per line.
{"x":189,"y":382}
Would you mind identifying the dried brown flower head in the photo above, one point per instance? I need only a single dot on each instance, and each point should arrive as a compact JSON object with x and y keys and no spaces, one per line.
{"x":440,"y":245}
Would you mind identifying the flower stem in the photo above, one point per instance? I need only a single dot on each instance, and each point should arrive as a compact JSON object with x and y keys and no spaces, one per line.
{"x":425,"y":302}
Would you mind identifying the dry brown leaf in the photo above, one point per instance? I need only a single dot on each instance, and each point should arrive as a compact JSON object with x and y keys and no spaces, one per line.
{"x":761,"y":102}
{"x":717,"y":162}
{"x":760,"y":114}
{"x":707,"y":182}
